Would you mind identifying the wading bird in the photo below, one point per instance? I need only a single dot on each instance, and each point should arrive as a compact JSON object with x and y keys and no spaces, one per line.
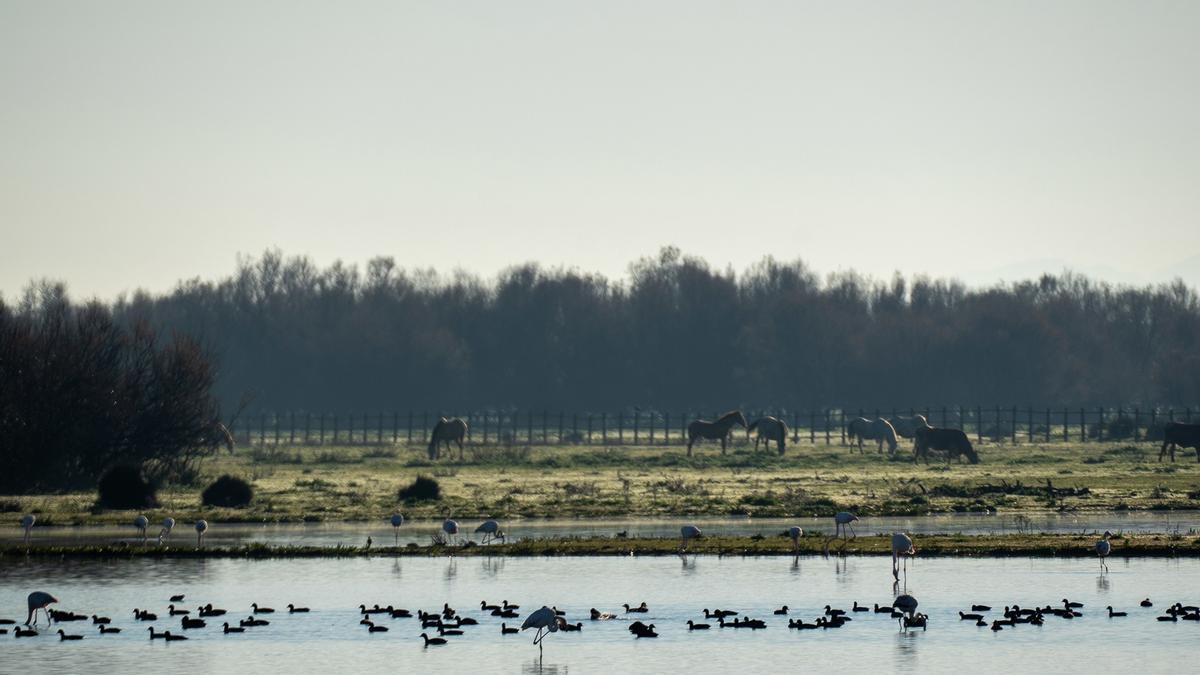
{"x":449,"y":529}
{"x":201,"y":528}
{"x":168,"y":524}
{"x":902,"y":545}
{"x":1103,"y":548}
{"x":545,"y":621}
{"x":795,"y":532}
{"x":397,"y":521}
{"x":39,"y":600}
{"x":686,"y":534}
{"x":490,"y":530}
{"x":141,"y":523}
{"x":842,"y":522}
{"x":27,"y":524}
{"x":906,"y":606}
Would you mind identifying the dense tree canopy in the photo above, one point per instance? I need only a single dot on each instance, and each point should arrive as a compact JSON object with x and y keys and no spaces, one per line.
{"x":676,"y":334}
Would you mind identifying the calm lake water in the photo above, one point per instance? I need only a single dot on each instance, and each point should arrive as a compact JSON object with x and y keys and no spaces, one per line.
{"x":676,"y":590}
{"x":355,"y":534}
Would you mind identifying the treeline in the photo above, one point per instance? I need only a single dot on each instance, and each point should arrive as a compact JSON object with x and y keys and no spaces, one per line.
{"x":82,"y":392}
{"x":676,"y":334}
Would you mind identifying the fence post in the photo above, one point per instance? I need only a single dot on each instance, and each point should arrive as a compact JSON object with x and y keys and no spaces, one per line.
{"x":1066,"y":426}
{"x":560,"y":427}
{"x":637,"y":414}
{"x":621,"y":427}
{"x":812,"y":427}
{"x":410,"y":426}
{"x":1083,"y":435}
{"x":350,"y":428}
{"x":335,"y":428}
{"x":589,"y":428}
{"x":307,"y":425}
{"x":651,"y":416}
{"x":827,"y":439}
{"x":1014,"y":425}
{"x":604,"y":428}
{"x":292,"y":427}
{"x":1047,"y":424}
{"x":575,"y":427}
{"x":1100,"y":424}
{"x":979,"y":423}
{"x":424,"y":426}
{"x":1137,"y":421}
{"x":322,"y":441}
{"x":1030,"y":424}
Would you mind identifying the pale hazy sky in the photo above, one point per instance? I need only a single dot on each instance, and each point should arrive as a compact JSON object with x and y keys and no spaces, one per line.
{"x":144,"y":142}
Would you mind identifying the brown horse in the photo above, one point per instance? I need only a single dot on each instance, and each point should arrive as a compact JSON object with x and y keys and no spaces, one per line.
{"x":769,"y":429}
{"x":714,"y":430}
{"x":445,"y":431}
{"x":951,"y":441}
{"x":1183,"y":435}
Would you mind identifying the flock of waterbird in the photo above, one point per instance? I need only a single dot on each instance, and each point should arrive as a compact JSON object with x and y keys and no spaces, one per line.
{"x":448,"y":623}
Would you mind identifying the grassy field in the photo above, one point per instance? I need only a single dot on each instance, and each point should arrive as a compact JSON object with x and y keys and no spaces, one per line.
{"x":360,"y":483}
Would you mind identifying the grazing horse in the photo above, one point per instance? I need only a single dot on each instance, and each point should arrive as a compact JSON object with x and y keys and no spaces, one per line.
{"x":951,"y":441}
{"x":907,"y":426}
{"x":872,"y":430}
{"x":769,"y":429}
{"x":445,"y":431}
{"x":1183,"y":435}
{"x":714,"y":430}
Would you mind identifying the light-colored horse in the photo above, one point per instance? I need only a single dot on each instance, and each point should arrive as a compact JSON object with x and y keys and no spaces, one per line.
{"x":714,"y":430}
{"x":445,"y":431}
{"x":907,"y":426}
{"x":769,"y":429}
{"x":879,"y":430}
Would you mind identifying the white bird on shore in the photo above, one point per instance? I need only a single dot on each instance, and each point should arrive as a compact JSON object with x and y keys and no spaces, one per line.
{"x":902,"y":545}
{"x":1103,"y":548}
{"x":141,"y":523}
{"x":27,"y":524}
{"x":490,"y":530}
{"x":686,"y":534}
{"x":397,"y":521}
{"x":201,"y":528}
{"x":168,"y":524}
{"x":545,"y":621}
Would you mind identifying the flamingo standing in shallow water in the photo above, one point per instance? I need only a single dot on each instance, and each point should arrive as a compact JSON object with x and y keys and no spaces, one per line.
{"x":1103,"y":548}
{"x":686,"y":534}
{"x":449,"y":529}
{"x":39,"y":600}
{"x":27,"y":524}
{"x":842,"y":522}
{"x":545,"y":621}
{"x":490,"y":530}
{"x":397,"y":521}
{"x":902,"y":545}
{"x":201,"y":528}
{"x":141,"y":523}
{"x":795,"y":532}
{"x":167,"y":525}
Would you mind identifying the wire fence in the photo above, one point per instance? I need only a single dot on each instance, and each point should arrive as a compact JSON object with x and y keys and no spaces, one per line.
{"x":826,"y":426}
